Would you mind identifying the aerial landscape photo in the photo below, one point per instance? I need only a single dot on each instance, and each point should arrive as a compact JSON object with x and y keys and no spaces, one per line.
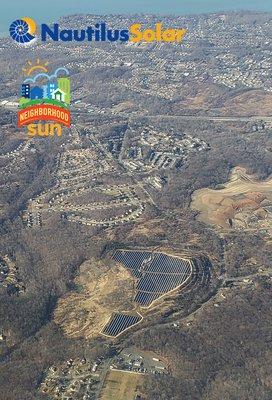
{"x":136,"y":200}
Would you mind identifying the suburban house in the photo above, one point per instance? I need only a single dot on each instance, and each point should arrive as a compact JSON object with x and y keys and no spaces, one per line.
{"x":59,"y":95}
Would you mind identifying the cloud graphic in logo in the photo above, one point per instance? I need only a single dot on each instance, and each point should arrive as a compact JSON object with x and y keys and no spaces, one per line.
{"x":48,"y":77}
{"x":23,"y":30}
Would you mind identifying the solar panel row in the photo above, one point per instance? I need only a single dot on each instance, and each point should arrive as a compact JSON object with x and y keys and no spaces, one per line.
{"x":120,"y":322}
{"x":160,"y":283}
{"x":157,"y":262}
{"x":145,"y":299}
{"x":167,"y":264}
{"x":131,"y":259}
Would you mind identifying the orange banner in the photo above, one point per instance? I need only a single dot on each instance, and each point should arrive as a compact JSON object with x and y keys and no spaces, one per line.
{"x":44,"y":112}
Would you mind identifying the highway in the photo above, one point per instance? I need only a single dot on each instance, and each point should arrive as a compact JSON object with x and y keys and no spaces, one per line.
{"x":213,"y":118}
{"x":230,"y":118}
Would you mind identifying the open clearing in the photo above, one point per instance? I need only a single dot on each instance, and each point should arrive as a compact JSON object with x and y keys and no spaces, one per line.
{"x":122,"y":385}
{"x":101,"y":290}
{"x":243,"y":202}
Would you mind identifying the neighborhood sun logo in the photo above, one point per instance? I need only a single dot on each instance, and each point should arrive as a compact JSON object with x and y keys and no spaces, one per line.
{"x":23,"y":31}
{"x":44,"y":105}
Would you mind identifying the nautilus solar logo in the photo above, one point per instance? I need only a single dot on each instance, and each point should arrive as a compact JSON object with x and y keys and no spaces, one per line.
{"x":23,"y":31}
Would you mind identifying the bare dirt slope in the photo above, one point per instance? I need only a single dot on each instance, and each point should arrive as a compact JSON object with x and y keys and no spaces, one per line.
{"x":243,"y":202}
{"x":100,"y":292}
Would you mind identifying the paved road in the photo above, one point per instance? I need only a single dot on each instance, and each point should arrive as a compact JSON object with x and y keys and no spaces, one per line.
{"x":253,"y":118}
{"x":103,"y":375}
{"x":231,"y":118}
{"x":213,"y":118}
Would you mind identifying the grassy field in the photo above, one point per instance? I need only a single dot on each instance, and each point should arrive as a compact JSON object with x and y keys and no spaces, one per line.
{"x":121,"y":386}
{"x":43,"y":101}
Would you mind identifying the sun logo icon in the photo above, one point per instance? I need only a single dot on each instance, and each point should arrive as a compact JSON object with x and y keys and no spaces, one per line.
{"x":37,"y":66}
{"x":23,"y":30}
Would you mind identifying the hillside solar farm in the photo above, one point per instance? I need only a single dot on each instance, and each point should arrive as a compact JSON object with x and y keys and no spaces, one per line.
{"x":158,"y":273}
{"x":129,"y":287}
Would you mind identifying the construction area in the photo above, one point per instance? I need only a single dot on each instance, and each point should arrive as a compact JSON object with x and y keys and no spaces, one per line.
{"x":241,"y":203}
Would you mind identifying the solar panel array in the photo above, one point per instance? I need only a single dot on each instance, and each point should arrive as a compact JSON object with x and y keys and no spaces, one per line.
{"x":119,"y":322}
{"x":133,"y":260}
{"x":158,"y":273}
{"x":160,"y":283}
{"x":145,"y":299}
{"x":170,"y":265}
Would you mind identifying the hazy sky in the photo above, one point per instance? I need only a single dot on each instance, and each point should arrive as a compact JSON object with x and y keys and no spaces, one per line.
{"x":50,"y":10}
